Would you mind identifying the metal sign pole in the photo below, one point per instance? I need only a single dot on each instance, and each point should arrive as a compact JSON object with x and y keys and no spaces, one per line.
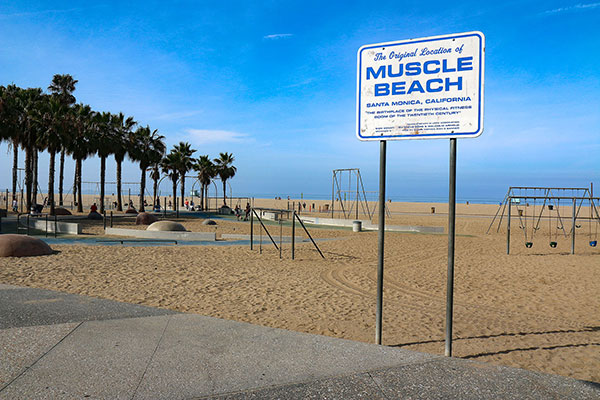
{"x":573,"y":229}
{"x":379,"y":315}
{"x":451,"y":237}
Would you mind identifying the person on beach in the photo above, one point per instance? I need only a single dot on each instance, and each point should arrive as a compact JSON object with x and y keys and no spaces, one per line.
{"x":247,"y":211}
{"x":94,"y":208}
{"x":15,"y":205}
{"x":238,"y":211}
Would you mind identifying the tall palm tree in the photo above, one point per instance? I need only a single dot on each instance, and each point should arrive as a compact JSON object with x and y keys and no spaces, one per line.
{"x":104,"y":137}
{"x":51,"y":120}
{"x":121,"y":145}
{"x":206,"y":172}
{"x":62,"y":87}
{"x":29,"y":102}
{"x":155,"y":176}
{"x":80,"y":145}
{"x":185,"y":163}
{"x":10,"y":121}
{"x":225,"y":170}
{"x":149,"y":148}
{"x":170,"y":166}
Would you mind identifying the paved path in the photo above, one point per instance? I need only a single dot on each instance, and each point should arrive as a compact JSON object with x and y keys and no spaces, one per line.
{"x":60,"y":346}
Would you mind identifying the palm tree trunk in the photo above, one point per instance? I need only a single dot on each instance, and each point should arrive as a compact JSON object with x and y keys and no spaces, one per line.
{"x":119,"y":200}
{"x":206,"y":207}
{"x":202,"y":197}
{"x":15,"y":168}
{"x":61,"y":177}
{"x":224,"y":192}
{"x":155,"y":191}
{"x":28,"y":177}
{"x":102,"y":181}
{"x":75,"y":183}
{"x":51,"y":182}
{"x":142,"y":188}
{"x":79,"y":196}
{"x":174,"y":193}
{"x":182,"y":189}
{"x":35,"y":176}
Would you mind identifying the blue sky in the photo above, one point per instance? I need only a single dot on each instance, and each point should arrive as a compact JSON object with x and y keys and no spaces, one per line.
{"x":275,"y":84}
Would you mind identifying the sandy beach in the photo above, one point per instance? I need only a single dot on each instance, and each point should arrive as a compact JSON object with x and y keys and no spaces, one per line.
{"x":537,"y":308}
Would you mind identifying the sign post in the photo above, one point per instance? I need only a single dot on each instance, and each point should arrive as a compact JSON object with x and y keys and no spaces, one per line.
{"x":427,"y":88}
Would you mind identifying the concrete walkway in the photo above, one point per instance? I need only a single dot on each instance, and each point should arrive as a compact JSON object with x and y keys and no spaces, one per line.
{"x":60,"y":346}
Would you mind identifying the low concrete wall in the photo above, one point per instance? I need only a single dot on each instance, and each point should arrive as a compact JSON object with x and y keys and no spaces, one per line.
{"x":69,"y":228}
{"x":368,"y":226}
{"x":137,"y":233}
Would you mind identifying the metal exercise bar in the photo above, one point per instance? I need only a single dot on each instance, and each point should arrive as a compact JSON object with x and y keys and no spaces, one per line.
{"x":263,"y":226}
{"x":555,"y":197}
{"x":309,"y":236}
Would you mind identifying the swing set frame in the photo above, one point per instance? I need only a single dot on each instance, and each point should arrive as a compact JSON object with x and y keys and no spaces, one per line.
{"x":551,"y":202}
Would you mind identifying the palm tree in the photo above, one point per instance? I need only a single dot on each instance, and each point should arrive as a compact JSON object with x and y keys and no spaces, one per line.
{"x":51,"y":121}
{"x":79,"y":145}
{"x":206,"y":172}
{"x":170,"y":166}
{"x":225,"y":170}
{"x":148,"y":149}
{"x":185,"y":163}
{"x":104,"y":136}
{"x":155,"y":176}
{"x":10,"y":125}
{"x":122,"y":144}
{"x":62,"y":87}
{"x":29,"y":102}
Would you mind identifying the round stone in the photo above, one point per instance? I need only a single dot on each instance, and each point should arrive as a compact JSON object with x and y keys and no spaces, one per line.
{"x":61,"y":211}
{"x":131,"y":210}
{"x":145,"y":218}
{"x":166,"y":226}
{"x":208,"y":222}
{"x":22,"y":246}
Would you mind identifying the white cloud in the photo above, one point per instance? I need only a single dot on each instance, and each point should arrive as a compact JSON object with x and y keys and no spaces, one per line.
{"x":277,"y":36}
{"x":576,"y":7}
{"x":202,"y":136}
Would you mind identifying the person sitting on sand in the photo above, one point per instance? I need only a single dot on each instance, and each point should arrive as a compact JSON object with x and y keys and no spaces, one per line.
{"x":94,"y":208}
{"x":238,"y":211}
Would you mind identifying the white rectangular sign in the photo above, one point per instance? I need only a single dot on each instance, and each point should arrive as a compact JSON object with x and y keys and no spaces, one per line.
{"x":426,"y":88}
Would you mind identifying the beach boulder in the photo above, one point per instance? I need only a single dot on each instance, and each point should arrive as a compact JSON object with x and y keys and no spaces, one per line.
{"x":95,"y":215}
{"x":166,"y":226}
{"x":22,"y":246}
{"x":61,"y":211}
{"x":145,"y":218}
{"x":131,"y":210}
{"x":208,"y":222}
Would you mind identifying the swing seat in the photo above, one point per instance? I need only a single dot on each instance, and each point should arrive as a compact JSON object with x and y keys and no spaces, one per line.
{"x":593,"y":243}
{"x":553,"y":244}
{"x":529,"y":244}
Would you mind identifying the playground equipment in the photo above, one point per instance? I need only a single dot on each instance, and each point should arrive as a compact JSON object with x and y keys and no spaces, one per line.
{"x":350,"y":198}
{"x":529,"y":229}
{"x":278,"y":216}
{"x":548,"y":198}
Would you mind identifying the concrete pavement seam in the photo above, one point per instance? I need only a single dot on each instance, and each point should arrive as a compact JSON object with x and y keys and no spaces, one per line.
{"x":377,"y":384}
{"x":151,"y":357}
{"x":40,"y":357}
